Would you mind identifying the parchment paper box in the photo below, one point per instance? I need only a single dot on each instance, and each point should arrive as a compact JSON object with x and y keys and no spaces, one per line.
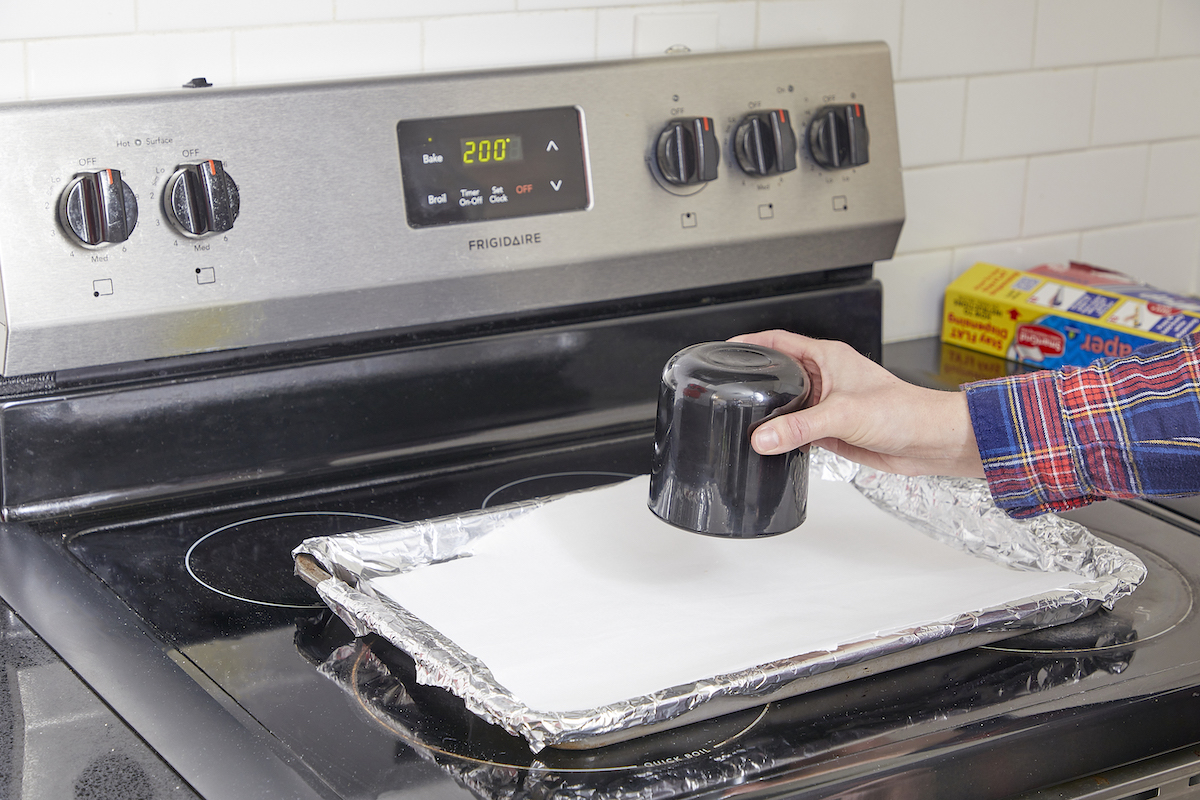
{"x":1057,"y":315}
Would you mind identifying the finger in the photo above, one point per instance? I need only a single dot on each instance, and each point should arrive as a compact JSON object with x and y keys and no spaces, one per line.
{"x":753,"y":337}
{"x":793,"y":344}
{"x":831,"y":418}
{"x":804,"y":351}
{"x":784,"y":433}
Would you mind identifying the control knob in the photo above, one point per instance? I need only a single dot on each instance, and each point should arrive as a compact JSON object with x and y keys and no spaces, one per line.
{"x":688,"y":151}
{"x":765,"y":143}
{"x":201,"y":199}
{"x":98,"y":208}
{"x":837,"y":136}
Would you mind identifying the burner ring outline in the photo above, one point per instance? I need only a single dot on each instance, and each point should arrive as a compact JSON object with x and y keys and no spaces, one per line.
{"x":187,"y":558}
{"x":567,"y":474}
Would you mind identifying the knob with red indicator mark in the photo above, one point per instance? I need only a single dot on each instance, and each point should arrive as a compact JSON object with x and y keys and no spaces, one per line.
{"x":688,"y":151}
{"x":838,"y":138}
{"x":765,"y":143}
{"x":98,"y":208}
{"x":201,"y":199}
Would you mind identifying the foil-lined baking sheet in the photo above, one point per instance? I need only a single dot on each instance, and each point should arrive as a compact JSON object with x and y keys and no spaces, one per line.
{"x":709,"y":759}
{"x":919,"y":542}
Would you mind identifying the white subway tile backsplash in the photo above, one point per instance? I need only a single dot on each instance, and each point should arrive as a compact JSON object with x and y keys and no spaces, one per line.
{"x":546,"y":5}
{"x":1163,"y":254}
{"x":1019,"y":253}
{"x":1084,"y":190}
{"x":735,"y":21}
{"x":802,"y":22}
{"x":1028,"y":112}
{"x":617,"y":29}
{"x":1173,"y":186}
{"x":656,"y":34}
{"x":951,"y":37}
{"x":738,"y":25}
{"x":962,"y":204}
{"x":412,"y":9}
{"x":60,"y":67}
{"x":913,"y":286}
{"x":23,"y":19}
{"x":1031,"y":131}
{"x":12,"y":71}
{"x":1179,"y":31}
{"x":614,"y":33}
{"x":311,"y":52}
{"x":1095,"y":31}
{"x":494,"y":40}
{"x":1148,"y":101}
{"x":930,"y":118}
{"x":170,"y":15}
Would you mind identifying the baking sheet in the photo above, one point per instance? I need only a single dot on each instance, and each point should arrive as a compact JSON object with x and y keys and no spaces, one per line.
{"x":587,"y":614}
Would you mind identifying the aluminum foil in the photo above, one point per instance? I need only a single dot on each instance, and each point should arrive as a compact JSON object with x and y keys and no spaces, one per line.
{"x":959,"y":512}
{"x":684,"y":766}
{"x":956,"y":512}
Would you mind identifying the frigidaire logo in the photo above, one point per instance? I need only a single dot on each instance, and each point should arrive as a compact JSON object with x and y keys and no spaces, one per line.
{"x":494,"y":242}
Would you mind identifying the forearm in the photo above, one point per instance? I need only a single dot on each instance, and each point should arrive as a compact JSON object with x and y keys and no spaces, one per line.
{"x":914,"y":431}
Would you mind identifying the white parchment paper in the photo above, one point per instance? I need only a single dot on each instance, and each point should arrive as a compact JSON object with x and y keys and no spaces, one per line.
{"x":591,"y":599}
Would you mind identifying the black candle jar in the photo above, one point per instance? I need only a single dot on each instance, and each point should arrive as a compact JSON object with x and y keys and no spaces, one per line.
{"x":705,"y":477}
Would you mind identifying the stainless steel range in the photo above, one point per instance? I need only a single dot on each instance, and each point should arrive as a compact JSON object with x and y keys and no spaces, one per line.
{"x":235,"y":319}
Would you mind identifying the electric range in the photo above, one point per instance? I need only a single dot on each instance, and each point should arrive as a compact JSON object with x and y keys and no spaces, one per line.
{"x":235,"y":319}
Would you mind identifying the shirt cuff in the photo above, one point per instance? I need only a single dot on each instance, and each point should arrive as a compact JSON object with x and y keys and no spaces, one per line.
{"x":1027,"y":447}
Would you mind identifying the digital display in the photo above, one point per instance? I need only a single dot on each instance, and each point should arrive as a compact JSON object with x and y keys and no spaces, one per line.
{"x":491,"y":149}
{"x":493,"y":166}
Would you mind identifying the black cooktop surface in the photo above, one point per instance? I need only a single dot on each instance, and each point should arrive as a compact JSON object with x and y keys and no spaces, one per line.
{"x":219,"y":589}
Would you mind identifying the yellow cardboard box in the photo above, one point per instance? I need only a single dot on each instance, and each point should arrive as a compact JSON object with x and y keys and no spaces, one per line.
{"x":1057,"y":315}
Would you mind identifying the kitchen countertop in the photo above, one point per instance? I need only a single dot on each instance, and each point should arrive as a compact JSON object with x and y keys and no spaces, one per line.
{"x":929,"y":362}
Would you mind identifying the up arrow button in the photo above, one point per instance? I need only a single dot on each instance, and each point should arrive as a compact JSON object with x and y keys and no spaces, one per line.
{"x":556,"y":184}
{"x":551,"y":146}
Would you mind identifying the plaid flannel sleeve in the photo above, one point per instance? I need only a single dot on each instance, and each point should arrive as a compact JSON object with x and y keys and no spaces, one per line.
{"x":1121,"y":428}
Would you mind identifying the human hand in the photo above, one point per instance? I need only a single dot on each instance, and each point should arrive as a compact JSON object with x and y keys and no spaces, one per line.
{"x":864,"y":413}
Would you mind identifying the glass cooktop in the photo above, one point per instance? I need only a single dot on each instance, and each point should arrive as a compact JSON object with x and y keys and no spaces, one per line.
{"x":219,"y":589}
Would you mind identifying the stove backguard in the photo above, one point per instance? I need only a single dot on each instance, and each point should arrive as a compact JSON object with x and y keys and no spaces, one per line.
{"x":249,"y":426}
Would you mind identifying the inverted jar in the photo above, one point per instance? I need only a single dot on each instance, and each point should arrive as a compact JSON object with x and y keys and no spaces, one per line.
{"x":705,"y":476}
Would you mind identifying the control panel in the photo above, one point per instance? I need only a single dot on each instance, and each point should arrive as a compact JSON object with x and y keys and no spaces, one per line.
{"x":492,"y":166}
{"x":431,"y":201}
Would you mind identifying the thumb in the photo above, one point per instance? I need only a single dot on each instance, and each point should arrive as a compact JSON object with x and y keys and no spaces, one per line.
{"x":781,"y":434}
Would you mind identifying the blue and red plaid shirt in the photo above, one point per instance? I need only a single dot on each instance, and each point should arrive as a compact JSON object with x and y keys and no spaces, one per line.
{"x":1124,"y":428}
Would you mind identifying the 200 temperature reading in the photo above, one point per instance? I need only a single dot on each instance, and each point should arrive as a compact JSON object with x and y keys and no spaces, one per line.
{"x":491,"y":150}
